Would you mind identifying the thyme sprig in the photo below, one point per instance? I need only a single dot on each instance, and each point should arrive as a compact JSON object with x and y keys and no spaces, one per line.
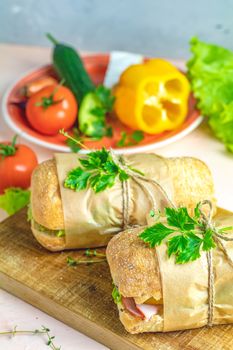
{"x":90,"y":255}
{"x":77,"y":141}
{"x":42,"y":330}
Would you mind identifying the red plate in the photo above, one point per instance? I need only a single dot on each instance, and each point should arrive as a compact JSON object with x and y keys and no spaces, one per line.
{"x":96,"y":66}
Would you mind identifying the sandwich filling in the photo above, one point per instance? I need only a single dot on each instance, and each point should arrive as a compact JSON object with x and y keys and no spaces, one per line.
{"x":144,"y":311}
{"x":57,"y":233}
{"x":41,"y":228}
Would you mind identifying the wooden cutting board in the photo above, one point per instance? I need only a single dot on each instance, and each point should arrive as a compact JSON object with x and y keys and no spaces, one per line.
{"x":81,"y":296}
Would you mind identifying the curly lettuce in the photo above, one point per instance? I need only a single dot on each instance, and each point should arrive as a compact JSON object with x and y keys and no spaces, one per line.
{"x":14,"y":199}
{"x":210,"y":71}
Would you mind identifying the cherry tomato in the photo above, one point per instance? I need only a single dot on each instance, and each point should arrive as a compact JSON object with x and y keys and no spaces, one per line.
{"x":51,"y":109}
{"x":16,"y":165}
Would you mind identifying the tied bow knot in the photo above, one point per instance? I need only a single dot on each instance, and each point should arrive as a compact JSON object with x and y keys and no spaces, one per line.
{"x":142,"y":181}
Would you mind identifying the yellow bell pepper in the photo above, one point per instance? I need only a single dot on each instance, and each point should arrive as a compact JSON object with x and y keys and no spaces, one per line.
{"x":152,"y":96}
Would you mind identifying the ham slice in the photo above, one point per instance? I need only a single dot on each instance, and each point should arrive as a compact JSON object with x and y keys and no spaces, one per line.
{"x":148,"y":310}
{"x":131,"y":307}
{"x":144,"y":311}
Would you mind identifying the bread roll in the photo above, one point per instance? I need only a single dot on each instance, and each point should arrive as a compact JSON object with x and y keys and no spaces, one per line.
{"x":191,"y":180}
{"x":135,"y":272}
{"x":157,"y":294}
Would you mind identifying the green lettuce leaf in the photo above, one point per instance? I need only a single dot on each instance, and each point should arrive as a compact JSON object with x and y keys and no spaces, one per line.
{"x":210,"y":71}
{"x":14,"y":199}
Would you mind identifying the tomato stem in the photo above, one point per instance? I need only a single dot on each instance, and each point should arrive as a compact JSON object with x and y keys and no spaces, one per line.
{"x":8,"y":150}
{"x":49,"y":101}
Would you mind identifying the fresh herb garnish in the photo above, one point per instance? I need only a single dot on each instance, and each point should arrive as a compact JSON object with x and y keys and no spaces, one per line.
{"x":73,"y":144}
{"x":130,"y":139}
{"x":93,"y":111}
{"x":109,"y":132}
{"x":99,"y":171}
{"x":98,"y":127}
{"x":104,"y":105}
{"x":43,"y":330}
{"x":122,"y":141}
{"x":106,"y":99}
{"x":152,"y":213}
{"x":13,"y":199}
{"x":76,"y":142}
{"x":116,"y":295}
{"x":137,"y":136}
{"x":71,"y":261}
{"x":190,"y":235}
{"x":89,"y":254}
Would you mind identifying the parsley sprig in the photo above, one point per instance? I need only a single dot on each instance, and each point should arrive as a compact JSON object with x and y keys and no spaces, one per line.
{"x":98,"y":170}
{"x":106,"y":99}
{"x":185,"y":236}
{"x":105,"y":105}
{"x":130,"y":139}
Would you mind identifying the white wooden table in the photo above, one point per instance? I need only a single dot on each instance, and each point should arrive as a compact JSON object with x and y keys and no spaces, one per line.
{"x":14,"y":61}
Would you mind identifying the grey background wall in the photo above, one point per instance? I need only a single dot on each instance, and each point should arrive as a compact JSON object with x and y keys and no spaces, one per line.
{"x":153,"y":27}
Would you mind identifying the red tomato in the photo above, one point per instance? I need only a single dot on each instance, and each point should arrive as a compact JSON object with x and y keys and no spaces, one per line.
{"x":16,"y":169}
{"x":51,"y":109}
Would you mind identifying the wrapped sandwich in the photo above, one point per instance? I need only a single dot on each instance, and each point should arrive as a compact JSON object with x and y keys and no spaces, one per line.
{"x":78,"y":217}
{"x":169,"y":285}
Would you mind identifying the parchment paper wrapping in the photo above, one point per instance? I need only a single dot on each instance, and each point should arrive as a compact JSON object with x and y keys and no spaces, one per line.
{"x":90,"y":218}
{"x":185,"y":287}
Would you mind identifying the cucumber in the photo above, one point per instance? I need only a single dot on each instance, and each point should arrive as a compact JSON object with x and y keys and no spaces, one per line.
{"x":69,"y":66}
{"x":89,"y":123}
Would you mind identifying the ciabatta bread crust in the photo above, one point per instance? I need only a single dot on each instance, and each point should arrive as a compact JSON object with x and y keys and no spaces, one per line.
{"x":191,"y":179}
